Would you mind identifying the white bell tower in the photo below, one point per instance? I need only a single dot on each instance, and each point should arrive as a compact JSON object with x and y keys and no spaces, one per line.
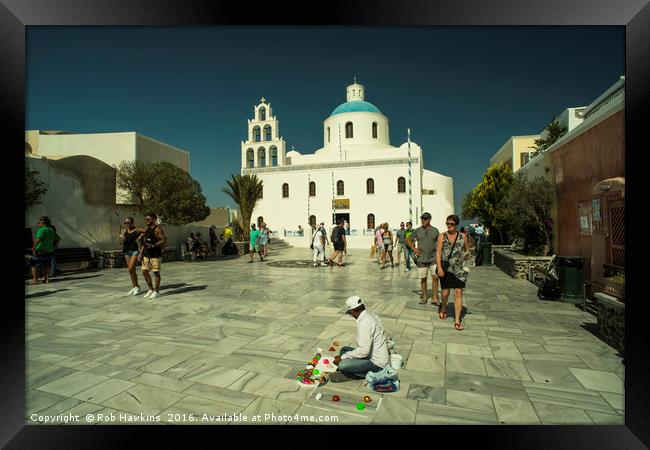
{"x":264,"y":146}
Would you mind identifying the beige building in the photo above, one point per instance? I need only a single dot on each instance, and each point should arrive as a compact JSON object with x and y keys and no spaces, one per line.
{"x":110,"y":148}
{"x":515,"y":152}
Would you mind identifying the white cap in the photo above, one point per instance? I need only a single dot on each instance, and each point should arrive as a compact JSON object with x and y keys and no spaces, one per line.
{"x":353,"y":302}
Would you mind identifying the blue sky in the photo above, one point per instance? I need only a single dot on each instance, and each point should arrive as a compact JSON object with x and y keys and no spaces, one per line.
{"x":463,"y":91}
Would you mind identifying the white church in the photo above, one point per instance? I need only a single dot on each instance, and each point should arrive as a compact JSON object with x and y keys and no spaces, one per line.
{"x":357,"y":176}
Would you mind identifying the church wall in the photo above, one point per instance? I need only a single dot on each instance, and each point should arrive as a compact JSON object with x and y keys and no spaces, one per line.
{"x":386,"y":204}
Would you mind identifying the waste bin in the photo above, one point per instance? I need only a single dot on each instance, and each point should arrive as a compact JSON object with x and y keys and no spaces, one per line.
{"x":486,"y":254}
{"x":571,"y":274}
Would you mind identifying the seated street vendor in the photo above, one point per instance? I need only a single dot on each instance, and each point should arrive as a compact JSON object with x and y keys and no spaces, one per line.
{"x":372,"y":353}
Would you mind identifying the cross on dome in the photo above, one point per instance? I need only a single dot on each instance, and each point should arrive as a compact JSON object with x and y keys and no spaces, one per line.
{"x":263,"y":100}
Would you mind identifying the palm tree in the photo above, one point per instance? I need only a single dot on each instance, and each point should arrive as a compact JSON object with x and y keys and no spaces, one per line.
{"x":245,"y":191}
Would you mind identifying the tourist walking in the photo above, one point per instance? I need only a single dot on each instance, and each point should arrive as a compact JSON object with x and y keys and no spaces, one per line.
{"x":46,"y":240}
{"x":254,"y":246}
{"x":53,"y":269}
{"x":427,"y":239}
{"x":400,"y":245}
{"x":264,"y":239}
{"x":338,"y":240}
{"x":154,"y":240}
{"x":129,"y":238}
{"x":452,"y":251}
{"x":408,"y":252}
{"x":387,"y":238}
{"x":379,"y":242}
{"x":318,"y":242}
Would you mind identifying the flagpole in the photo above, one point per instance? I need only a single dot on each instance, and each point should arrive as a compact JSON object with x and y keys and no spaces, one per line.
{"x":408,"y":132}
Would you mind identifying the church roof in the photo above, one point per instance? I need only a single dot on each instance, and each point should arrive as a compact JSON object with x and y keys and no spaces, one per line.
{"x":355,"y":106}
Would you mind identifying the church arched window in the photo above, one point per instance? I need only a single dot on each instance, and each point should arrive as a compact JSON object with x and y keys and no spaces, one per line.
{"x":285,"y":190}
{"x":371,"y":222}
{"x":374,"y":130}
{"x":262,"y":113}
{"x":256,"y":134}
{"x":274,"y":156}
{"x":328,"y":134}
{"x":348,"y":130}
{"x":340,"y":188}
{"x":401,"y":184}
{"x":267,"y":133}
{"x":312,"y":189}
{"x":250,"y":158}
{"x":261,"y":157}
{"x":370,"y":186}
{"x":312,"y":221}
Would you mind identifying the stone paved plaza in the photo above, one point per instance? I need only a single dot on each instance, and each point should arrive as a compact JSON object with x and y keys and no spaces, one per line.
{"x":227,"y":337}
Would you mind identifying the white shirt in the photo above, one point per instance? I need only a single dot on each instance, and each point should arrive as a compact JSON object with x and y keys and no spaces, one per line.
{"x":316,"y":237}
{"x":371,"y":339}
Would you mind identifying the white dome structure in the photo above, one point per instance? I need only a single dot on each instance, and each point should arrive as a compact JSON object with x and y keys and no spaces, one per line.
{"x":356,"y":176}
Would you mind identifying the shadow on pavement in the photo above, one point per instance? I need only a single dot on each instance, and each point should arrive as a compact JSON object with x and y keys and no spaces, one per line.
{"x":57,"y":279}
{"x":186,"y":289}
{"x":44,"y":293}
{"x":172,"y":286}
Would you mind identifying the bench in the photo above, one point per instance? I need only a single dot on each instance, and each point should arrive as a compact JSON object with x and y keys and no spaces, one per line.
{"x":81,"y":258}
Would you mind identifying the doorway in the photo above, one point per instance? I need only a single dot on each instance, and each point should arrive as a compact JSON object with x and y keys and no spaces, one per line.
{"x":341,"y":216}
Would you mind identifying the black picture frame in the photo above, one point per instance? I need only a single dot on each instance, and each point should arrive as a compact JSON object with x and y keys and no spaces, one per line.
{"x":634,"y":15}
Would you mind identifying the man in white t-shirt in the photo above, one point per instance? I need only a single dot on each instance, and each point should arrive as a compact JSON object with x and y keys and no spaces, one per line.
{"x":319,"y":241}
{"x":371,"y":354}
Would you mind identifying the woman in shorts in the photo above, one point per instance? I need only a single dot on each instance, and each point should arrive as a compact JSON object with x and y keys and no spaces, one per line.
{"x":387,"y":240}
{"x":131,"y":249}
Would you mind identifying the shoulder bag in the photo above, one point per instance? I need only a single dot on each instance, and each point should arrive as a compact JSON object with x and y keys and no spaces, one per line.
{"x":445,"y":264}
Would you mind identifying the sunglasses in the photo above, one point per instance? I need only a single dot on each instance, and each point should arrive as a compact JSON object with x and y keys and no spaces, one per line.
{"x":451,"y":224}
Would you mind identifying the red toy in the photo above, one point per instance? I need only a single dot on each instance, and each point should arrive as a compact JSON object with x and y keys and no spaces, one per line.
{"x":336,"y":398}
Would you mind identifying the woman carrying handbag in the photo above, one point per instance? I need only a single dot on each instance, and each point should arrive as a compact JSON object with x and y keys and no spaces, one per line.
{"x":453,"y":249}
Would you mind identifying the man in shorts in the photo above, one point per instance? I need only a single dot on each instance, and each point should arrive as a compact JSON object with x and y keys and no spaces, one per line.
{"x":427,"y":238}
{"x":153,"y":241}
{"x":254,"y":244}
{"x":401,"y":242}
{"x":338,"y":240}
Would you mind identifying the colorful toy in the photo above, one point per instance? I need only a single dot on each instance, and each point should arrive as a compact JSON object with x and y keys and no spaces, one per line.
{"x":361,"y":406}
{"x":332,"y":349}
{"x":319,"y":396}
{"x":326,"y":361}
{"x":336,"y":343}
{"x":367,"y":399}
{"x":336,"y":398}
{"x":316,"y":371}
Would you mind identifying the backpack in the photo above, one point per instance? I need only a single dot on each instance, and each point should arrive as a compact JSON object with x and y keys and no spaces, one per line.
{"x":335,"y":235}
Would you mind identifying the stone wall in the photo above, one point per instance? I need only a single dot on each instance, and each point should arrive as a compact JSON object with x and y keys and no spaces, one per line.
{"x":114,"y":259}
{"x":611,"y":320}
{"x":517,"y":265}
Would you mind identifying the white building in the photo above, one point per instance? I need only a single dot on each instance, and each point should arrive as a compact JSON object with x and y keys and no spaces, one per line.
{"x":111,"y":148}
{"x":357,"y":175}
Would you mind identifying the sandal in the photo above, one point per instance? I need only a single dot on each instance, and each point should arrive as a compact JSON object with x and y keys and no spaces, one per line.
{"x":423,"y":301}
{"x":442,"y":314}
{"x":458,"y":326}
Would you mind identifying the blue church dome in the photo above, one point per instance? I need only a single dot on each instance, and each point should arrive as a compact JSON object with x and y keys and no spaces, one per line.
{"x":355,"y":106}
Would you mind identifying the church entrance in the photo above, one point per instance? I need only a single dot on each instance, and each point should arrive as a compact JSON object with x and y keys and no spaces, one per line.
{"x":342,"y":216}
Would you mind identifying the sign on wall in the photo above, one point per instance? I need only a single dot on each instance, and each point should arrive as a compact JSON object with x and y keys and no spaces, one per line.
{"x":585,"y":214}
{"x":341,"y":203}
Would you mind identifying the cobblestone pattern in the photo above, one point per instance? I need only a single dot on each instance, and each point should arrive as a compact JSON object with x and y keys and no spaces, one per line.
{"x":611,"y":323}
{"x":518,"y":268}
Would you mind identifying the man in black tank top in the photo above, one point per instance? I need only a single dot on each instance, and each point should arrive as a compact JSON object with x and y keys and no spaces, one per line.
{"x":154,"y":240}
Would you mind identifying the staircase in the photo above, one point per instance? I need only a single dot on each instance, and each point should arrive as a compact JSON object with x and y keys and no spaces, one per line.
{"x":278,"y":244}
